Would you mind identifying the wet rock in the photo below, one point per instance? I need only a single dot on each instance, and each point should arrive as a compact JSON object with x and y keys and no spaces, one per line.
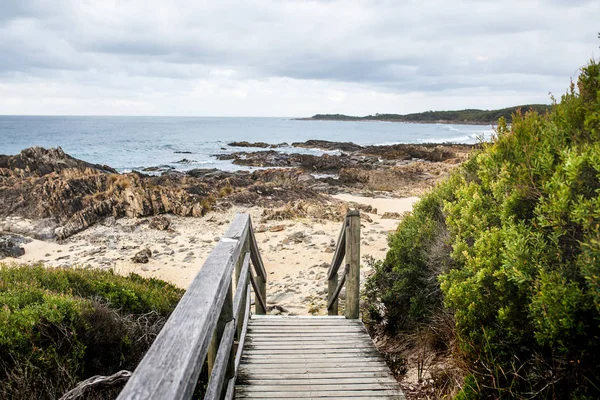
{"x":142,"y":256}
{"x":159,"y":168}
{"x":327,"y":145}
{"x":201,"y":172}
{"x":185,"y":161}
{"x":160,"y":223}
{"x":262,"y":145}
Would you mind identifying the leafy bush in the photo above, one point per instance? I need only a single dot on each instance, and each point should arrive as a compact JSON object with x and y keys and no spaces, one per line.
{"x":60,"y":326}
{"x":521,"y":224}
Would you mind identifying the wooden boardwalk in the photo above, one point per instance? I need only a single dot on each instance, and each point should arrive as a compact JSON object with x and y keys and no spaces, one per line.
{"x":312,"y":358}
{"x":259,"y":356}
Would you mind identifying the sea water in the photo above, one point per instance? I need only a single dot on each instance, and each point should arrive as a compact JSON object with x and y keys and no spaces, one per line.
{"x":134,"y":143}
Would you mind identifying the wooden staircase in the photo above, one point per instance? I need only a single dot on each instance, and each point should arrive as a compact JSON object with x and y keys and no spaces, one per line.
{"x":312,"y":358}
{"x":258,"y":356}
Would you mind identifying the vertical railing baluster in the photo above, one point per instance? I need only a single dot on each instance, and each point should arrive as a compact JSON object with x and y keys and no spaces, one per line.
{"x":225,"y":316}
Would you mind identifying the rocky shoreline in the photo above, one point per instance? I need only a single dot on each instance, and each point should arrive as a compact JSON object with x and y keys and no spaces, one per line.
{"x":65,"y":212}
{"x":65,"y":195}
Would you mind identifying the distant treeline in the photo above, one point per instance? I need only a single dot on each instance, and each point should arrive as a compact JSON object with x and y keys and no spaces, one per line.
{"x":470,"y":116}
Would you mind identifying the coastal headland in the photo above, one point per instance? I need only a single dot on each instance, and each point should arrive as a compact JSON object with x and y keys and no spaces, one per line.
{"x":61,"y":211}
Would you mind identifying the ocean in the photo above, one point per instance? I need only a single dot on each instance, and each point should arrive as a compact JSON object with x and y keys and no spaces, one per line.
{"x":134,"y":143}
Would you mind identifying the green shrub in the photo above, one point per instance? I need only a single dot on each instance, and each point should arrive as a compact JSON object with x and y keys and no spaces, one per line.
{"x":60,"y":326}
{"x":521,"y":221}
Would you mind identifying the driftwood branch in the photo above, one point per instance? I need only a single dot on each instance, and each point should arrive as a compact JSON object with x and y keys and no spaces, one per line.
{"x":84,"y":387}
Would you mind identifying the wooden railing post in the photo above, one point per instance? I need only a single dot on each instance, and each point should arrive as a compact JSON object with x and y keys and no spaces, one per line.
{"x":353,"y":262}
{"x":261,"y":275}
{"x":262,"y":287}
{"x":331,"y":287}
{"x":225,"y":316}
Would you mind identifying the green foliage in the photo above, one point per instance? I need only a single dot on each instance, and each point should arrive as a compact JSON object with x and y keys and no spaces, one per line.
{"x":459,"y":116}
{"x":59,"y":326}
{"x":418,"y":251}
{"x":523,"y":227}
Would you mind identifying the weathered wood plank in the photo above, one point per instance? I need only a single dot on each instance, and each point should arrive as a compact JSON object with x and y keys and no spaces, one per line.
{"x":298,"y":369}
{"x":171,"y":367}
{"x":223,"y":367}
{"x":387,"y":393}
{"x":268,"y":352}
{"x":225,"y":317}
{"x":306,"y":329}
{"x":240,"y":350}
{"x":230,"y":393}
{"x":336,"y":292}
{"x":318,"y":381}
{"x":239,"y":227}
{"x":269,"y":387}
{"x":257,"y":295}
{"x":310,"y":358}
{"x":317,"y":375}
{"x":292,"y":323}
{"x":314,"y":365}
{"x":240,"y":291}
{"x":299,"y":318}
{"x":353,"y":261}
{"x":340,"y":252}
{"x":332,"y":297}
{"x":256,"y":257}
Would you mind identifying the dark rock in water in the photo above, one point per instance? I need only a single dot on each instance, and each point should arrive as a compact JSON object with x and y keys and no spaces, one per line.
{"x":142,"y":256}
{"x":200,"y":172}
{"x":182,"y":152}
{"x":327,"y":145}
{"x":261,"y":145}
{"x":10,"y":246}
{"x":185,"y":161}
{"x":160,"y":222}
{"x":159,"y":168}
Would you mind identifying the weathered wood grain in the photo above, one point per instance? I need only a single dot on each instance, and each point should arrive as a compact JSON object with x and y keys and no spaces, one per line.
{"x":312,"y":359}
{"x":340,"y":252}
{"x":353,"y":260}
{"x":171,"y":367}
{"x":223,"y":368}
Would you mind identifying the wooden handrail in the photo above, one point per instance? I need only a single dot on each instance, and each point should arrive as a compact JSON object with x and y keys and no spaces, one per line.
{"x":348,"y":247}
{"x":204,"y":324}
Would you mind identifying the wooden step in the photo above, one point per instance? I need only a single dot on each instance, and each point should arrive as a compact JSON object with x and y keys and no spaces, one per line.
{"x":312,"y":358}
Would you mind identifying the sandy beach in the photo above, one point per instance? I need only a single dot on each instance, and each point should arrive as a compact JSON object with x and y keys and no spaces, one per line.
{"x":296,"y":252}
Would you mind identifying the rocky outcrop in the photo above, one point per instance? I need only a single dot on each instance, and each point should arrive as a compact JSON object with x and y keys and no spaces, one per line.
{"x":308,"y":162}
{"x":38,"y":161}
{"x":45,"y":193}
{"x":11,"y":246}
{"x":327,"y":145}
{"x":74,"y":195}
{"x":261,"y":145}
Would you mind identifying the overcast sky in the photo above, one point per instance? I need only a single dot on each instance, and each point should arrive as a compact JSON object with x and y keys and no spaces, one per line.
{"x":288,"y":58}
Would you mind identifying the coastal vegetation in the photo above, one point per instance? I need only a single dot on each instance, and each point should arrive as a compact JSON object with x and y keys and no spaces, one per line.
{"x":59,"y":326}
{"x":468,"y":116}
{"x":500,"y":263}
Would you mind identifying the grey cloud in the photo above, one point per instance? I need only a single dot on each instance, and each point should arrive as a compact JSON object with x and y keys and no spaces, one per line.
{"x":427,"y":46}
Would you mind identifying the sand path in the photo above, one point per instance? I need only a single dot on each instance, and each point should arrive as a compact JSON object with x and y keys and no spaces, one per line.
{"x":296,"y":257}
